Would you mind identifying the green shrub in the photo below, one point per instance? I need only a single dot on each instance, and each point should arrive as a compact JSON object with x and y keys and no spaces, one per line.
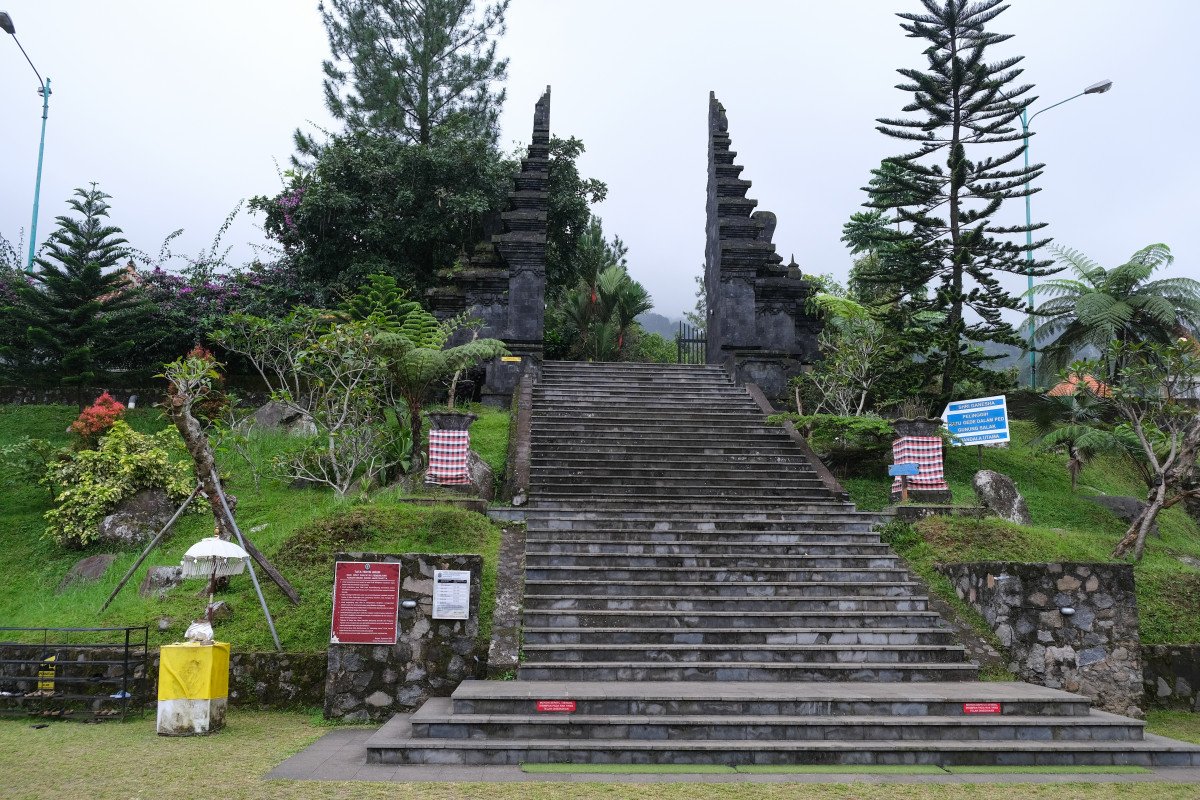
{"x":94,"y":482}
{"x":847,"y":445}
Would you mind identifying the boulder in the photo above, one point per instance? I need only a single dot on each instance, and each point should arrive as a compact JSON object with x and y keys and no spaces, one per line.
{"x":137,"y":518}
{"x":87,"y":570}
{"x":998,"y":493}
{"x":220,"y":611}
{"x":277,"y":416}
{"x":1123,"y":508}
{"x":482,"y":479}
{"x":160,"y":580}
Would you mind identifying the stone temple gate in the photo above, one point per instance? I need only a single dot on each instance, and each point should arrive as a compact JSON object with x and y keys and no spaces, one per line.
{"x":758,"y":326}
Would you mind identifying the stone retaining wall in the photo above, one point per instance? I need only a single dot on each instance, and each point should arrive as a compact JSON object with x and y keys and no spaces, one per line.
{"x":1171,"y":675}
{"x":430,"y":657}
{"x":263,"y":680}
{"x":1094,"y":651}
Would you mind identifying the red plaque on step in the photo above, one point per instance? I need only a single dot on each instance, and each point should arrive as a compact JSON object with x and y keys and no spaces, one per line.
{"x":981,"y":708}
{"x":556,"y":706}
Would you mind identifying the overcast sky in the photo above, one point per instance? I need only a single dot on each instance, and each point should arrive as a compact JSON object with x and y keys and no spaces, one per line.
{"x":179,"y":110}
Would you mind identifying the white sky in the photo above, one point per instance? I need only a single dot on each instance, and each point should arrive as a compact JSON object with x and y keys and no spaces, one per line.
{"x":179,"y":110}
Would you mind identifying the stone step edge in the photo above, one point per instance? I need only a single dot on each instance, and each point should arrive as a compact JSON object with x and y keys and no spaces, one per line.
{"x":786,"y":648}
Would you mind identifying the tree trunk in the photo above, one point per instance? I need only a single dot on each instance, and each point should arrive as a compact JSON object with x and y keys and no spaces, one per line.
{"x":1135,"y":537}
{"x":200,"y":450}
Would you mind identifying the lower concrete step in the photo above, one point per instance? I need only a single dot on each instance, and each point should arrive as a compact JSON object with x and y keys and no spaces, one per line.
{"x":773,"y":723}
{"x":676,"y":618}
{"x":436,"y":719}
{"x":608,"y":588}
{"x":833,"y":637}
{"x":808,"y":699}
{"x":776,"y":654}
{"x":744,"y":671}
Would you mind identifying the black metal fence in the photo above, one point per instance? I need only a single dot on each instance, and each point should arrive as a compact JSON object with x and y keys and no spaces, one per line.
{"x":690,"y":344}
{"x":79,"y":673}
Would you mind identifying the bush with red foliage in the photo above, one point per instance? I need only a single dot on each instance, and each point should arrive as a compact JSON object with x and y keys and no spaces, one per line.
{"x":96,"y":420}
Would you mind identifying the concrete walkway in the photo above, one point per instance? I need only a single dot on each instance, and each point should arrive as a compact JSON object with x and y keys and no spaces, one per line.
{"x":340,"y":755}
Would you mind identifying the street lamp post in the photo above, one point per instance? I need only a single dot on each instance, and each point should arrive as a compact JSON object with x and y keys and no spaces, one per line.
{"x":1095,"y":88}
{"x":6,"y":24}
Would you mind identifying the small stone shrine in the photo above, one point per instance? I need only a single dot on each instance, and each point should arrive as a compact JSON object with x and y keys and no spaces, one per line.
{"x":503,"y":282}
{"x":758,"y":326}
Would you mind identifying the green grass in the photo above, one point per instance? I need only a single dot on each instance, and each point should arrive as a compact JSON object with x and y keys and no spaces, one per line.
{"x":114,"y":761}
{"x":1035,"y":770}
{"x":840,"y":769}
{"x":1181,"y":725}
{"x":1067,"y":527}
{"x":628,"y":769}
{"x":32,"y":566}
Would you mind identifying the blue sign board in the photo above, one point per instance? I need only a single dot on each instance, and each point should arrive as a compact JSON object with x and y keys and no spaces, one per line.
{"x":983,"y":420}
{"x":898,"y":470}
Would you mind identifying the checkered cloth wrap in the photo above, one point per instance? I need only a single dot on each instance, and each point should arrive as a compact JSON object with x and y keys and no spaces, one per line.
{"x":448,"y":458}
{"x":925,"y":451}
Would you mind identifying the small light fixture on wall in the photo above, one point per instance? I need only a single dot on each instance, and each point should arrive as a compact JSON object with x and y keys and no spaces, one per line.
{"x":1066,"y":611}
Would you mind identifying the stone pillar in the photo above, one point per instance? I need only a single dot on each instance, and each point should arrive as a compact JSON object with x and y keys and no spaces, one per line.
{"x":758,"y":325}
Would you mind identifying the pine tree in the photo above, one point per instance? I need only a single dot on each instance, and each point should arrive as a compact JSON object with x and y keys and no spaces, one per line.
{"x":402,"y":67}
{"x":80,"y":316}
{"x":946,"y":193}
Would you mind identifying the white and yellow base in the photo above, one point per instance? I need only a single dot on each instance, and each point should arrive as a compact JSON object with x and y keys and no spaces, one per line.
{"x":193,"y":688}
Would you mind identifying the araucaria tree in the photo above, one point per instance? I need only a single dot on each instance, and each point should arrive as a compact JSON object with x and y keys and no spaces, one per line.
{"x":80,"y":316}
{"x":946,"y":193}
{"x":402,"y":67}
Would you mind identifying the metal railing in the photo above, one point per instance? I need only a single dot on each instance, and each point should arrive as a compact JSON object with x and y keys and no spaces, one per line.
{"x":690,"y":343}
{"x":74,"y":673}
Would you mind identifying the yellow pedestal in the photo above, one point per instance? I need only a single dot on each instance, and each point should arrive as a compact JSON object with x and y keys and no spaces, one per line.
{"x":193,"y":688}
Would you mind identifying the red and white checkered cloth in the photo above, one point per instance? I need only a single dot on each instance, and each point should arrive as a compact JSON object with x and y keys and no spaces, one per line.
{"x":448,"y":458}
{"x":926,"y":452}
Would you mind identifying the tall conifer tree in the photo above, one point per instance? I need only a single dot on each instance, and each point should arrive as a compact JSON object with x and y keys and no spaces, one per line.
{"x":946,"y":193}
{"x":80,"y":316}
{"x":400,"y":68}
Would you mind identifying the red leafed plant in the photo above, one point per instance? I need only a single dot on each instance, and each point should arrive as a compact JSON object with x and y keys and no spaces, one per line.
{"x":95,"y":420}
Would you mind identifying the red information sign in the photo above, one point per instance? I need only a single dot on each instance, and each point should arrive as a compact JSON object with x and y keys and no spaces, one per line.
{"x":981,"y":708}
{"x":366,"y":599}
{"x":556,"y":706}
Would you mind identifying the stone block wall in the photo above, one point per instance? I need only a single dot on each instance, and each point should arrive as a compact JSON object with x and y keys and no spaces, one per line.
{"x":430,"y":658}
{"x":1171,"y":675}
{"x":1094,"y":651}
{"x":261,"y":680}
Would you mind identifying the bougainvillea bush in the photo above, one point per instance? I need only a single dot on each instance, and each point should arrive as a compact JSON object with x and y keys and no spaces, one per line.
{"x":189,"y":307}
{"x":94,"y":482}
{"x":96,"y":420}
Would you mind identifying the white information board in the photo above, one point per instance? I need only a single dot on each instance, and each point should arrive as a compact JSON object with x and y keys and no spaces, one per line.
{"x":983,"y":420}
{"x":451,"y":593}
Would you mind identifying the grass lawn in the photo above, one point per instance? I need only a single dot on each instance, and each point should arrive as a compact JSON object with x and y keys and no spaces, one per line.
{"x":1067,"y":527}
{"x":116,"y":761}
{"x":32,"y":566}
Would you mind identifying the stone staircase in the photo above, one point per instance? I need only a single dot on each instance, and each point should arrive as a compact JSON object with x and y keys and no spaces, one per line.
{"x":696,"y":593}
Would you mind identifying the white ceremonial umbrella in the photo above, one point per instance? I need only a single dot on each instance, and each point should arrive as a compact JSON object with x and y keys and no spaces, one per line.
{"x":211,"y":558}
{"x":214,"y":557}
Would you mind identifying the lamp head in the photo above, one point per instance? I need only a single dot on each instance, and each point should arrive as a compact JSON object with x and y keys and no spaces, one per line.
{"x":1098,"y":88}
{"x":6,"y":24}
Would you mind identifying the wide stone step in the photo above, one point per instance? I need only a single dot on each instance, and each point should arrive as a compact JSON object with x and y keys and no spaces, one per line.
{"x":566,"y":458}
{"x":602,"y":562}
{"x":818,"y":534}
{"x":739,"y":699}
{"x":854,"y":531}
{"x":687,"y":412}
{"x":723,"y":654}
{"x":697,"y":479}
{"x":744,"y":671}
{"x":683,"y":471}
{"x":617,"y":486}
{"x":694,"y":606}
{"x":605,"y":545}
{"x":722,"y":574}
{"x":830,"y":637}
{"x":727,"y":618}
{"x":658,"y":428}
{"x":603,"y":588}
{"x":716,"y":502}
{"x":437,"y":719}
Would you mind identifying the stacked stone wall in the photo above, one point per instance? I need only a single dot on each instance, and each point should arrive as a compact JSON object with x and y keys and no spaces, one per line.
{"x":430,"y":658}
{"x":1171,"y":675}
{"x":1065,"y":626}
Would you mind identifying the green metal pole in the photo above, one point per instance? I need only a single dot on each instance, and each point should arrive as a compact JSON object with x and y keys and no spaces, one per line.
{"x":1029,"y":254}
{"x":37,"y":186}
